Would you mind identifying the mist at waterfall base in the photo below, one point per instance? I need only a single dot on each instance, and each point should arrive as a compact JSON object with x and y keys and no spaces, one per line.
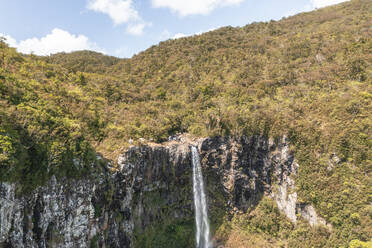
{"x":201,"y":210}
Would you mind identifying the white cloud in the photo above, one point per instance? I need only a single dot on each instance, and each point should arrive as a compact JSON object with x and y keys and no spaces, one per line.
{"x":323,"y":3}
{"x":120,"y":11}
{"x":123,"y":52}
{"x":137,"y":28}
{"x":57,"y":41}
{"x":180,"y":35}
{"x":9,"y":40}
{"x":165,"y":35}
{"x":192,"y":7}
{"x":306,"y":8}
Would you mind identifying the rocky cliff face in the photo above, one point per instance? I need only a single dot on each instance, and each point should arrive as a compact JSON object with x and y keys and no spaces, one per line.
{"x":148,"y":201}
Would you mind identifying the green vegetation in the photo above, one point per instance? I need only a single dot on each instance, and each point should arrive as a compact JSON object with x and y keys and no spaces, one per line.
{"x":360,"y":244}
{"x":83,"y":61}
{"x":307,"y":77}
{"x":178,"y":234}
{"x":266,"y":226}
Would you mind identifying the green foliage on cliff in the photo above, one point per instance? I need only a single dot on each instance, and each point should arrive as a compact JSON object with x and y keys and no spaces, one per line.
{"x":307,"y":77}
{"x":177,"y":234}
{"x":38,"y":135}
{"x":266,"y":226}
{"x":360,"y":244}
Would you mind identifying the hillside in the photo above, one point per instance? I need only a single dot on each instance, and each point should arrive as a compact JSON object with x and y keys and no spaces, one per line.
{"x":307,"y":77}
{"x":83,"y":61}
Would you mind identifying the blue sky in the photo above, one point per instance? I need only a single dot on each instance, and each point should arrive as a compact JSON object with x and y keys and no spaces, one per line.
{"x":125,"y":27}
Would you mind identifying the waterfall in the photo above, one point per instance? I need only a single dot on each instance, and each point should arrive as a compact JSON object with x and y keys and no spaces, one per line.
{"x":201,"y":211}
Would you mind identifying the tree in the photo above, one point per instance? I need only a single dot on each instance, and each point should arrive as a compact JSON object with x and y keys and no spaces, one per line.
{"x":2,"y":47}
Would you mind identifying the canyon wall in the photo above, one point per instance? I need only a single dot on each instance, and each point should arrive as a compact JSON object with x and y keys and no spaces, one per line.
{"x":147,"y":201}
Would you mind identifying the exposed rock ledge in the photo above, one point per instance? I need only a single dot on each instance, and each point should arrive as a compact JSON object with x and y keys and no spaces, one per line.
{"x":153,"y":184}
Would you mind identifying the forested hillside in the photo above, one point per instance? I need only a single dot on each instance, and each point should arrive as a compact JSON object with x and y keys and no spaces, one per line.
{"x":307,"y":77}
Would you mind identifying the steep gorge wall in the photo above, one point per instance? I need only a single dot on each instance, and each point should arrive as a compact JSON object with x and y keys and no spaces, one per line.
{"x":148,"y":201}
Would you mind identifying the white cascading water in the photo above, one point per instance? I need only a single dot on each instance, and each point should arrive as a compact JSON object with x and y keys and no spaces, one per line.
{"x":200,"y":202}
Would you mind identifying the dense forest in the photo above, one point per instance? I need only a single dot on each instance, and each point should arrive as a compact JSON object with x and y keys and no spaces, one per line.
{"x":307,"y":77}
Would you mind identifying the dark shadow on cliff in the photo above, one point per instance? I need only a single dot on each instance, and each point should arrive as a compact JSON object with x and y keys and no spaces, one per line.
{"x":238,"y":174}
{"x":34,"y":160}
